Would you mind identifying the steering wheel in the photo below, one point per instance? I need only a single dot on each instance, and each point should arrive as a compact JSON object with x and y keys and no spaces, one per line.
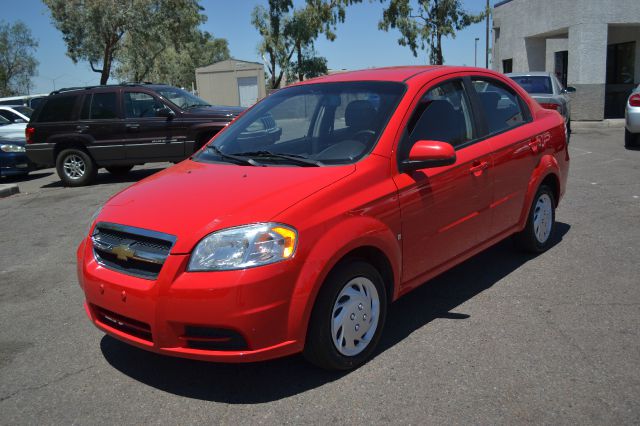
{"x":364,"y":136}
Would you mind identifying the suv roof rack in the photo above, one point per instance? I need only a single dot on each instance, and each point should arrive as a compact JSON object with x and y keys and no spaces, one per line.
{"x":126,"y":83}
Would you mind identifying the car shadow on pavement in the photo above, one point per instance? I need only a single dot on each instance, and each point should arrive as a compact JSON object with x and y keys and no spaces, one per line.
{"x":105,"y":177}
{"x":273,"y":380}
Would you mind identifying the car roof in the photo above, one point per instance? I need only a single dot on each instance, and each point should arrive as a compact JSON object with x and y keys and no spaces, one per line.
{"x":529,"y":74}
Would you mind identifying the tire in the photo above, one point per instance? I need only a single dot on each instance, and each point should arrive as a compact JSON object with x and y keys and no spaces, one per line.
{"x":75,"y":167}
{"x":630,"y":139}
{"x":537,"y":235}
{"x":349,"y":289}
{"x":119,"y":170}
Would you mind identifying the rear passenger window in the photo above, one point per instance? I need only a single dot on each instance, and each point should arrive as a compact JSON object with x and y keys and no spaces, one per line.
{"x":103,"y":106}
{"x":503,"y":109}
{"x":442,"y":115}
{"x":57,"y":109}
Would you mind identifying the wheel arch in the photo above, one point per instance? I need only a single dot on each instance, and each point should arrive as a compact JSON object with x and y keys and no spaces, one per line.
{"x":547,"y":172}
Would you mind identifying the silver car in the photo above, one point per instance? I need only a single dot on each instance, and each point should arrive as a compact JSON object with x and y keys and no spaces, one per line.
{"x":545,"y":88}
{"x":632,"y":119}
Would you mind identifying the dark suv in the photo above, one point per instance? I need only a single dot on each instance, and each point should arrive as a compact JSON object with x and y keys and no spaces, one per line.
{"x":116,"y":127}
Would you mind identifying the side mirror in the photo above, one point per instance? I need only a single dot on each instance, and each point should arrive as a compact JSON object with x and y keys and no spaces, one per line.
{"x":165,"y":112}
{"x":19,"y":120}
{"x":570,"y":89}
{"x":426,"y":154}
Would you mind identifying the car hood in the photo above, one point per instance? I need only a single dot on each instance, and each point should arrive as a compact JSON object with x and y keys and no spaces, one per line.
{"x":20,"y":141}
{"x":215,"y":111}
{"x":192,"y":199}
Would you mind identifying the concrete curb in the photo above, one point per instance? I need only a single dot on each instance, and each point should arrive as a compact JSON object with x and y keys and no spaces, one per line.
{"x":8,"y":189}
{"x":602,"y":124}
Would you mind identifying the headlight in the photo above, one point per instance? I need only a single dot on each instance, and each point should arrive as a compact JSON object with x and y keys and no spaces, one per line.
{"x":244,"y":247}
{"x":12,"y":148}
{"x":93,"y":219}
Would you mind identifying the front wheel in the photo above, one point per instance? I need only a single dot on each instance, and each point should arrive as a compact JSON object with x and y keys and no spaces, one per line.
{"x":75,"y":167}
{"x":348,"y":317}
{"x":536,"y":236}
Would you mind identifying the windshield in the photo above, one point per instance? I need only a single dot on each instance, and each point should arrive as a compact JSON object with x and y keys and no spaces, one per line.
{"x":534,"y":84}
{"x":317,"y":124}
{"x":182,"y":98}
{"x":24,"y":110}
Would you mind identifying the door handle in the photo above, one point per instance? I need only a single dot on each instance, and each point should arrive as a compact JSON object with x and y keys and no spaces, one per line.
{"x":82,"y":128}
{"x":534,"y":145}
{"x":477,"y":167}
{"x":133,"y":126}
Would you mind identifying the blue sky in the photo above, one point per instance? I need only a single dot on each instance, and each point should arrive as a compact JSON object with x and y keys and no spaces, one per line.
{"x":359,"y":43}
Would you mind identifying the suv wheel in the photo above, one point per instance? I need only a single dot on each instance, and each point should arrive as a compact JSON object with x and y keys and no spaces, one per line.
{"x":631,"y":139}
{"x":536,"y":236}
{"x":119,"y":170}
{"x":75,"y":167}
{"x":348,"y":317}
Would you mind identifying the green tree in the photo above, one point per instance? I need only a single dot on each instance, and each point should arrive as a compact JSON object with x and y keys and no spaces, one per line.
{"x":287,"y":32}
{"x":17,"y":63}
{"x":96,"y":30}
{"x":426,"y":25}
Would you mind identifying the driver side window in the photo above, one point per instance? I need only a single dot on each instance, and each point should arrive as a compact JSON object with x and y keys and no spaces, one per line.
{"x":139,"y":105}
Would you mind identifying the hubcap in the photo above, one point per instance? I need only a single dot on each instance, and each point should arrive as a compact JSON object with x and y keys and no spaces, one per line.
{"x":543,"y":218}
{"x":74,"y":166}
{"x":355,"y":316}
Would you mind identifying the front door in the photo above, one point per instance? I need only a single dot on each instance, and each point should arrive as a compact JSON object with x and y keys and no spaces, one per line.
{"x":444,"y":209}
{"x":150,"y":137}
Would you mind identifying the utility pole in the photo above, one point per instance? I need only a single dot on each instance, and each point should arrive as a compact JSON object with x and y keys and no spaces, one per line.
{"x":475,"y":53}
{"x":486,"y":46}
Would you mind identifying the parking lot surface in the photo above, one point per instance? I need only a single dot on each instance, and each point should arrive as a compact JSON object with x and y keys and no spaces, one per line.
{"x":503,"y":338}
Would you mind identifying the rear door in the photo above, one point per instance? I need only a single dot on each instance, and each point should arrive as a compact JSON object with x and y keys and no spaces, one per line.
{"x":101,"y":120}
{"x":150,"y":137}
{"x":445,"y":210}
{"x":515,"y":151}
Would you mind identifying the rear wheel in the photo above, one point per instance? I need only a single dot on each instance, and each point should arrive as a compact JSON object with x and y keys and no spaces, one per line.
{"x":536,"y":236}
{"x":348,"y":317}
{"x":75,"y":167}
{"x":630,"y":139}
{"x":119,"y":170}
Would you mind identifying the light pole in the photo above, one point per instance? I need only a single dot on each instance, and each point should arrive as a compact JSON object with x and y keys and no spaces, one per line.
{"x":475,"y":53}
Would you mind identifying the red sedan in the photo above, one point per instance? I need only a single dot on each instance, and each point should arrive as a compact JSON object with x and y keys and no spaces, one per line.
{"x":268,"y":243}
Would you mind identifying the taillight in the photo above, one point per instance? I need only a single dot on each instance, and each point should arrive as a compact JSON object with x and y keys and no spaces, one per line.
{"x":549,"y":105}
{"x":28,"y":133}
{"x":634,"y":100}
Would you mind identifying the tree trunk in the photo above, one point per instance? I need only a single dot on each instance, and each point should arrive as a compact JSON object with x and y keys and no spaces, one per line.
{"x":439,"y":59}
{"x":106,"y":65}
{"x":300,"y":73}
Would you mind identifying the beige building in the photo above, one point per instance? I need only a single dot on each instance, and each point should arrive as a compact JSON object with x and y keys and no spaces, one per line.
{"x":231,"y":82}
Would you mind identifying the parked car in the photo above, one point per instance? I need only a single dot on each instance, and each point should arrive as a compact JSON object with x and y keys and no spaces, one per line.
{"x":545,"y":88}
{"x":632,"y":120}
{"x":298,"y":244}
{"x":11,"y":130}
{"x":16,"y":113}
{"x":13,"y":159}
{"x":79,"y":130}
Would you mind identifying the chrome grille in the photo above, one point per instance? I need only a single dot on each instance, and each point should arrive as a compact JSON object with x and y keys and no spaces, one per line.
{"x":132,"y":251}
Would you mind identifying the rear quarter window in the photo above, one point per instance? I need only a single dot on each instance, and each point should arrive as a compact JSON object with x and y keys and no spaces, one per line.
{"x":57,"y":109}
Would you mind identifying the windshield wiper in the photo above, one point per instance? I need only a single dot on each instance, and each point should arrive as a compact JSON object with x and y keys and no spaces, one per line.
{"x":236,"y":158}
{"x":293,"y":158}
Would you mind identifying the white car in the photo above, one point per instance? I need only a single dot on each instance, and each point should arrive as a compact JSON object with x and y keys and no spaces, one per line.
{"x":16,"y":113}
{"x":9,"y":130}
{"x":632,"y":120}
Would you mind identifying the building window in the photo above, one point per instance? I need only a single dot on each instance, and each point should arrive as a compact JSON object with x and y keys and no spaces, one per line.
{"x":507,"y":65}
{"x":621,"y":60}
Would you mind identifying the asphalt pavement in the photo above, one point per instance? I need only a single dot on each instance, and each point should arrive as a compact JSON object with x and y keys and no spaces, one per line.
{"x":504,"y":338}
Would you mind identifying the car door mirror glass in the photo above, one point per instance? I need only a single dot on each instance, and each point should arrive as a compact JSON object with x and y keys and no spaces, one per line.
{"x":425,"y":154}
{"x":570,"y":89}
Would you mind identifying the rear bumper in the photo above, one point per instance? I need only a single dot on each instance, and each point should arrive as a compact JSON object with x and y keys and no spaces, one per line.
{"x":158,"y":315}
{"x":41,"y":154}
{"x":632,"y":119}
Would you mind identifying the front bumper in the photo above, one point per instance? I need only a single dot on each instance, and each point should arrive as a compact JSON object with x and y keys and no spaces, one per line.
{"x":157,"y":315}
{"x":632,"y":118}
{"x":15,"y":164}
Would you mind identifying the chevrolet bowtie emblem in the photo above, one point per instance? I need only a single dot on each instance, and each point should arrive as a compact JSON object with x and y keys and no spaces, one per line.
{"x":123,"y":252}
